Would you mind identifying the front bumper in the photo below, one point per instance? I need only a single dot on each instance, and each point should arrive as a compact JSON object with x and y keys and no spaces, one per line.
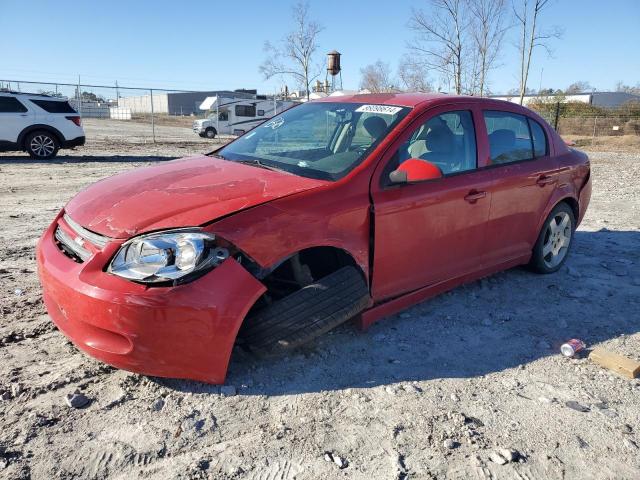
{"x":187,"y":331}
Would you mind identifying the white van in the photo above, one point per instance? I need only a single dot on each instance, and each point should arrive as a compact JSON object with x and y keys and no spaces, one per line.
{"x":236,"y":116}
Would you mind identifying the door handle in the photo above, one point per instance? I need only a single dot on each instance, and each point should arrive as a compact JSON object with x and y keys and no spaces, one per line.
{"x":473,"y":196}
{"x":545,"y":180}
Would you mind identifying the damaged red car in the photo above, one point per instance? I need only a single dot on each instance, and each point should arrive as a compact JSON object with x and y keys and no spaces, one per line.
{"x":348,"y":207}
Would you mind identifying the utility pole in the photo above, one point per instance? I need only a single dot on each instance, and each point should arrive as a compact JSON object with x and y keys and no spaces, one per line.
{"x":540,"y":86}
{"x":153,"y":124}
{"x":79,"y":97}
{"x":117,"y":93}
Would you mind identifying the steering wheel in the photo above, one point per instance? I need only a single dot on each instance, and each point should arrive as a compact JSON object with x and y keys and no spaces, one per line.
{"x":361,"y":149}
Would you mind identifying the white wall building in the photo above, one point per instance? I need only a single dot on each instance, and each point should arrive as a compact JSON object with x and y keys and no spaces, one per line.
{"x":598,"y":99}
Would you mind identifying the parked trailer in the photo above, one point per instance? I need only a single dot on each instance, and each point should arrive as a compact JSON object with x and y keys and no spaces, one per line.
{"x":235,"y":116}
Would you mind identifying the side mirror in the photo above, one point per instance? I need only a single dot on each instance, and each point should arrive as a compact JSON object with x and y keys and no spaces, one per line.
{"x":415,"y":170}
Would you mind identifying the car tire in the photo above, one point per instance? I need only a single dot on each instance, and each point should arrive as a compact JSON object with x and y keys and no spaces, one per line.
{"x":554,"y":241}
{"x":42,"y":145}
{"x":210,"y":132}
{"x":306,"y":313}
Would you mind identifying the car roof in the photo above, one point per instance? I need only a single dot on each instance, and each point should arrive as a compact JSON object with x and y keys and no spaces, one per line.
{"x":415,"y":99}
{"x":397,"y":99}
{"x":29,"y":94}
{"x":428,"y":100}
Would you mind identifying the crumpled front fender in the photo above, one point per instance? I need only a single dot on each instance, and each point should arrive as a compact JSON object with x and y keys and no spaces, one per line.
{"x":187,"y":331}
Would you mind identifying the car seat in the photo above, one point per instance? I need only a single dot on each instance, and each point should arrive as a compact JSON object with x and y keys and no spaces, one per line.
{"x":501,"y":142}
{"x":374,"y":126}
{"x":435,"y":144}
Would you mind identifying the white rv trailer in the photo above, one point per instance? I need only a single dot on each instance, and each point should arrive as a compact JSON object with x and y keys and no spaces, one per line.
{"x":236,"y":116}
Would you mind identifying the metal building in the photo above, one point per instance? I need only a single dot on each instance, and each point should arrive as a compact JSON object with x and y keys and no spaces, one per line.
{"x":177,"y":103}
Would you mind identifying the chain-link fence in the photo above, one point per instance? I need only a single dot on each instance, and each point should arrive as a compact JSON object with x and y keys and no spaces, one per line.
{"x":131,"y":115}
{"x":586,"y":120}
{"x":128,"y":115}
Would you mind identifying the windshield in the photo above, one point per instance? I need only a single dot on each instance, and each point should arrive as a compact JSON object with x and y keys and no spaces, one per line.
{"x":319,"y":140}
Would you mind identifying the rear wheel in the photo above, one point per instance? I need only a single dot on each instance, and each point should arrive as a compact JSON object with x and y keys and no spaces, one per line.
{"x":307,"y":313}
{"x":555,"y":239}
{"x":41,"y":145}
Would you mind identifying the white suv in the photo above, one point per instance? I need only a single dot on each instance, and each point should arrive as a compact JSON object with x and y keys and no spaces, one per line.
{"x":38,"y":124}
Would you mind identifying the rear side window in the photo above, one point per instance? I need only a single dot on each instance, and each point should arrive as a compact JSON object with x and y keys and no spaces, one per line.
{"x":245,"y":110}
{"x":539,"y":139}
{"x":53,"y":106}
{"x":509,"y":137}
{"x":11,"y":105}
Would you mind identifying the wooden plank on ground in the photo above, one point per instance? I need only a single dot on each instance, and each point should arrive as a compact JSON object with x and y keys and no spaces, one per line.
{"x":617,"y":363}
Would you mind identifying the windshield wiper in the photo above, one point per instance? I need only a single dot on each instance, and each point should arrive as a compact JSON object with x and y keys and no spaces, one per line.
{"x":258,"y":163}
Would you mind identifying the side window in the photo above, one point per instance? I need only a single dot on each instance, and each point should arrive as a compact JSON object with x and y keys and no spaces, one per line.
{"x":509,"y":137}
{"x":447,"y":140}
{"x":11,"y":105}
{"x":261,"y":113}
{"x":245,"y":110}
{"x":53,"y":106}
{"x":223,"y":116}
{"x":539,"y":139}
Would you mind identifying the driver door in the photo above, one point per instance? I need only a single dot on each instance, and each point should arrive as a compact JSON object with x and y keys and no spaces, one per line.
{"x":431,"y":231}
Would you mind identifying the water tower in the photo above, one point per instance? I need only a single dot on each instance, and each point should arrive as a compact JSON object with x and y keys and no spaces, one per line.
{"x":333,"y":70}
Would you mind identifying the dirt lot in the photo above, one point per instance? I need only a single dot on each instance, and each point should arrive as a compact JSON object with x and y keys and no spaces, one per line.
{"x":105,"y":135}
{"x":433,"y":392}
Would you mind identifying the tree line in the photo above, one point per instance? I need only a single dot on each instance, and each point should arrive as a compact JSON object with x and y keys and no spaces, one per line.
{"x":459,"y":41}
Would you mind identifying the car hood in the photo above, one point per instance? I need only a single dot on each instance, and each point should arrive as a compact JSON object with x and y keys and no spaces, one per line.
{"x":179,"y":193}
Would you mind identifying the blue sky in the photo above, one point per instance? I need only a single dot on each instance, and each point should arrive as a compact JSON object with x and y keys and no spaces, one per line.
{"x":211,"y":45}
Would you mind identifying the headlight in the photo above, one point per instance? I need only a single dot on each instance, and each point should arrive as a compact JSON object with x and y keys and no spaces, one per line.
{"x":167,"y":256}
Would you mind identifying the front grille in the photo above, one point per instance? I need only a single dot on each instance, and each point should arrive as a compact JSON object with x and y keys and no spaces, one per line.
{"x":81,"y":244}
{"x":98,"y":240}
{"x":71,"y":248}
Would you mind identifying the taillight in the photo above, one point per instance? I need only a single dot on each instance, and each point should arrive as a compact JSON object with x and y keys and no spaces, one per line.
{"x":75,"y":119}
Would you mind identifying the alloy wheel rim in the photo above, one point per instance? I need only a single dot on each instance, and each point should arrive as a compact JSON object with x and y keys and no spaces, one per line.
{"x":557,"y":239}
{"x":42,"y":145}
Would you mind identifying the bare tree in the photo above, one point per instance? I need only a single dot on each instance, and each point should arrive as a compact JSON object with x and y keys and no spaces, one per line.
{"x":530,"y":35}
{"x":621,"y":87}
{"x":377,"y":78}
{"x":413,"y":76}
{"x":488,"y":27}
{"x":441,"y":38}
{"x":578,"y":87}
{"x":295,"y":55}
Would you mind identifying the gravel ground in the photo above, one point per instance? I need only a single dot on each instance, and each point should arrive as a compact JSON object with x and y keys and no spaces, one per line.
{"x":467,"y":385}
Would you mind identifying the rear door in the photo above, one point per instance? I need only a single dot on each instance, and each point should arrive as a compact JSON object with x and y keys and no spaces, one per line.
{"x":525,"y":178}
{"x":58,"y":114}
{"x":431,"y":231}
{"x":15,"y":116}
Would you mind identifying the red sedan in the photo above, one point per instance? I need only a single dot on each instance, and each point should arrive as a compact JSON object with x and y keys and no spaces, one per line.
{"x":348,"y":207}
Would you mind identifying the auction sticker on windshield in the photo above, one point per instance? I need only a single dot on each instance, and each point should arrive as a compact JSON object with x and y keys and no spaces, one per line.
{"x":383,"y":109}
